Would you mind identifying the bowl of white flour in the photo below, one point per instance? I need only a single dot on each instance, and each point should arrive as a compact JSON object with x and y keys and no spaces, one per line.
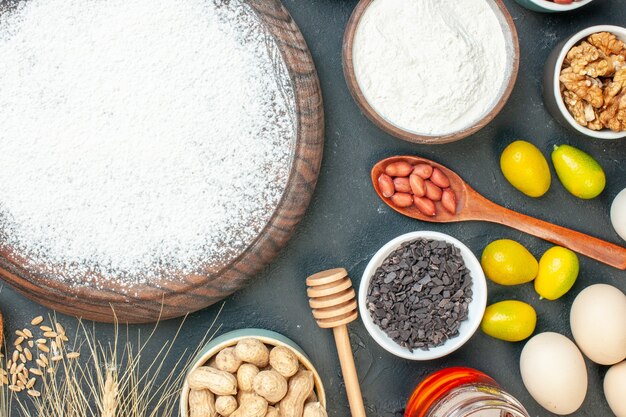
{"x":431,"y":71}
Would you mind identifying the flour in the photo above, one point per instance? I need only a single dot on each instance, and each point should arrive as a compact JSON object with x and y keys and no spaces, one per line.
{"x":432,"y":67}
{"x":138,"y":137}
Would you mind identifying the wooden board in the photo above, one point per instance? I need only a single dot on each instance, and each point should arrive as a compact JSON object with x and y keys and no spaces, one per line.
{"x":188,"y":293}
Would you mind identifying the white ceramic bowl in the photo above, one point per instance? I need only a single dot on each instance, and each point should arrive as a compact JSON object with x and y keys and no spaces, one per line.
{"x":552,"y":89}
{"x":468,"y":327}
{"x":546,"y":6}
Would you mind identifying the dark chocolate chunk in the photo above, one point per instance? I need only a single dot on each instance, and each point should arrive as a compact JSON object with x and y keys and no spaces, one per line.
{"x":420,"y":294}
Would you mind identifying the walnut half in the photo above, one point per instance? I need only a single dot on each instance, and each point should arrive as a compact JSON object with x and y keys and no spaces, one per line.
{"x":587,"y":88}
{"x":583,"y":112}
{"x":614,"y":116}
{"x":607,"y":43}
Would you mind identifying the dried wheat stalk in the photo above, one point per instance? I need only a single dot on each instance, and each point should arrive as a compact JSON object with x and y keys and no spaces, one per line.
{"x":109,"y":394}
{"x":109,"y":379}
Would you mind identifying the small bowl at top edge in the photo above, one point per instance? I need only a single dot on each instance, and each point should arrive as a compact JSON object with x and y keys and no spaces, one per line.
{"x":546,"y":6}
{"x":513,"y":51}
{"x":468,"y":327}
{"x":230,"y":339}
{"x":552,"y":89}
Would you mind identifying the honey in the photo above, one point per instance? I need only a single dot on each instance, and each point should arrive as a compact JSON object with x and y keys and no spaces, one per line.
{"x":462,"y":392}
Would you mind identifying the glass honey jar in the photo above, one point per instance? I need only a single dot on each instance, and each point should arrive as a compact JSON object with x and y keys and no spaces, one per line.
{"x":462,"y":392}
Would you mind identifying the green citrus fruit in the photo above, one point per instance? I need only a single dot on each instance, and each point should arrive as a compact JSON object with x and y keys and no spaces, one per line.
{"x":580,"y":174}
{"x":506,"y":262}
{"x":509,"y":320}
{"x":525,"y":167}
{"x":558,"y":270}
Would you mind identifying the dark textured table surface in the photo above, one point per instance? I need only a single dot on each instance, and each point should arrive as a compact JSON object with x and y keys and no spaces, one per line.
{"x":346,"y":223}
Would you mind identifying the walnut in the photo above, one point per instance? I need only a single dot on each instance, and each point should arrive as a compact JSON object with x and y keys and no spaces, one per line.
{"x":620,"y":77}
{"x":584,"y":113}
{"x":607,"y":43}
{"x":586,"y":59}
{"x":614,"y":115}
{"x":587,"y":88}
{"x":592,"y":116}
{"x":615,"y":86}
{"x":618,"y":61}
{"x":575,"y":106}
{"x":621,"y":118}
{"x":595,"y":125}
{"x":584,"y":52}
{"x":603,"y":67}
{"x":611,"y":90}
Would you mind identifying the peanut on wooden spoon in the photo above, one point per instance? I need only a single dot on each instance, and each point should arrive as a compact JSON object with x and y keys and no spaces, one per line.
{"x":470,"y":205}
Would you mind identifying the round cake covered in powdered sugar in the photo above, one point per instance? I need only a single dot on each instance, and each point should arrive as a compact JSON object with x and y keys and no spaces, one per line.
{"x":139,"y":138}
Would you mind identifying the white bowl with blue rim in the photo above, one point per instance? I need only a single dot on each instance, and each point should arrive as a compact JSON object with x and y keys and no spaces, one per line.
{"x":230,"y":339}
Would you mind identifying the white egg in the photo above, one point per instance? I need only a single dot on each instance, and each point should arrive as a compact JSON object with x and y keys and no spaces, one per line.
{"x":598,"y":322}
{"x":618,"y":214}
{"x":615,"y":389}
{"x":554,"y":373}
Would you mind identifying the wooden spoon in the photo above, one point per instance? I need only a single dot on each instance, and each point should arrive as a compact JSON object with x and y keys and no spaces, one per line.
{"x":473,"y":206}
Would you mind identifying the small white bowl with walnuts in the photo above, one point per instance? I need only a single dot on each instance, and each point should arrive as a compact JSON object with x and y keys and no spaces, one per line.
{"x":252,"y":373}
{"x":585,"y":82}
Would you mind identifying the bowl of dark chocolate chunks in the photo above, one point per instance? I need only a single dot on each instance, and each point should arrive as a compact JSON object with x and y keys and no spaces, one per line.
{"x":422,"y":295}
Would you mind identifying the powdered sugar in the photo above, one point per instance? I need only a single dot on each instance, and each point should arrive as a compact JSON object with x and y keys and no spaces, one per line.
{"x":139,"y":137}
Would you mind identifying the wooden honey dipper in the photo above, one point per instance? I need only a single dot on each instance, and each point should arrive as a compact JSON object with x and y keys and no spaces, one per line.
{"x":334,"y":305}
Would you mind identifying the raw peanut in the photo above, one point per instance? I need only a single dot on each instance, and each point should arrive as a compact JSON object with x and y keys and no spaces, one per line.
{"x":432,"y":191}
{"x":312,"y":398}
{"x":201,"y":403}
{"x":385,"y":183}
{"x":243,"y":395}
{"x":425,"y":206}
{"x":401,"y":184}
{"x":284,"y":361}
{"x":402,"y":200}
{"x":440,"y":179}
{"x":423,"y":170}
{"x":272,"y":412}
{"x":398,"y":169}
{"x":270,"y":385}
{"x":300,"y":387}
{"x":417,"y":185}
{"x":251,"y":406}
{"x":245,"y":377}
{"x":212,"y":363}
{"x":225,"y":405}
{"x":227,"y":361}
{"x":314,"y":410}
{"x":253,"y":351}
{"x":448,"y":200}
{"x":218,"y":382}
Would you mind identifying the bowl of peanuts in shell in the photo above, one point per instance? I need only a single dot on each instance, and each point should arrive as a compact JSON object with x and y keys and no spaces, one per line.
{"x":553,"y":6}
{"x":252,"y":373}
{"x":584,"y":84}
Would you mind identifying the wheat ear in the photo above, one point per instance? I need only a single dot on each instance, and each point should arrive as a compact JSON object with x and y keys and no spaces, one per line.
{"x":109,"y":395}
